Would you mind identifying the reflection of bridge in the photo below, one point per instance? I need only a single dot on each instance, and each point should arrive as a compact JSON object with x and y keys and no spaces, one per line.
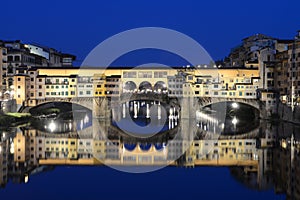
{"x":98,"y":105}
{"x":211,"y":135}
{"x":94,"y":161}
{"x":143,"y":97}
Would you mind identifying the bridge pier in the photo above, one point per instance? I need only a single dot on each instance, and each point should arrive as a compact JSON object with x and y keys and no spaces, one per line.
{"x":188,"y":107}
{"x":101,"y":108}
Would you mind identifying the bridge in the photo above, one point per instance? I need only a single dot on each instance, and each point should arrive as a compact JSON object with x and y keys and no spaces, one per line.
{"x":255,"y":103}
{"x":101,"y":106}
{"x":205,"y":101}
{"x":98,"y":105}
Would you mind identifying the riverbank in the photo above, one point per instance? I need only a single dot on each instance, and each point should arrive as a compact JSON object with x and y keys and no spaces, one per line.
{"x":13,"y":119}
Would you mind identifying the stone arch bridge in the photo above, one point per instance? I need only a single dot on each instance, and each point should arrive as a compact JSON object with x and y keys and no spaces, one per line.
{"x":255,"y":103}
{"x":100,"y":106}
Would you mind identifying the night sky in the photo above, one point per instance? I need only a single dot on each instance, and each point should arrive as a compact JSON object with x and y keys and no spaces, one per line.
{"x":78,"y":26}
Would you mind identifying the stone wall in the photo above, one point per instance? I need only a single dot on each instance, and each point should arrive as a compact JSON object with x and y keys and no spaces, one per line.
{"x":285,"y":113}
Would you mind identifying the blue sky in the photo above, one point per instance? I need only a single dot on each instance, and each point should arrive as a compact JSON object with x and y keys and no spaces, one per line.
{"x":78,"y":26}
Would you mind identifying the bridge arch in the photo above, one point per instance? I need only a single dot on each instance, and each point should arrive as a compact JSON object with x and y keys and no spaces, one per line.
{"x":145,"y":86}
{"x":129,"y":86}
{"x":145,"y":147}
{"x":205,"y":101}
{"x":55,"y":104}
{"x":160,"y":86}
{"x":159,"y":146}
{"x":129,"y":147}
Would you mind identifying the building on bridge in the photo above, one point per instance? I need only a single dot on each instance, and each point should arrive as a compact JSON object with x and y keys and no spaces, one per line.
{"x":68,"y":82}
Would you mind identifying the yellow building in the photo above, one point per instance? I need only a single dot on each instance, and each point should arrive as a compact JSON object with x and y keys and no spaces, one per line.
{"x":99,"y":85}
{"x":21,"y":88}
{"x":230,"y":151}
{"x":58,"y":83}
{"x":21,"y":148}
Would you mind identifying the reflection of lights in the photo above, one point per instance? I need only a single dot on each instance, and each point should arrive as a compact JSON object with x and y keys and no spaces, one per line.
{"x":234,"y":121}
{"x":12,"y":148}
{"x":0,"y":149}
{"x":200,"y":115}
{"x":283,"y":144}
{"x":86,"y":119}
{"x":223,"y":126}
{"x":26,"y":179}
{"x":235,"y":105}
{"x":52,"y":126}
{"x":81,"y":124}
{"x":255,"y":157}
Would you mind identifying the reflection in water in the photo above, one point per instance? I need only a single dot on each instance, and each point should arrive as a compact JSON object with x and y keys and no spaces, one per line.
{"x":145,"y":118}
{"x":61,"y":125}
{"x":265,"y":157}
{"x":228,"y":118}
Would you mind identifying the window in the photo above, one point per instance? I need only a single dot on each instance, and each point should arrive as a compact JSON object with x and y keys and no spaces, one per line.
{"x":88,"y":92}
{"x":129,"y":74}
{"x":17,"y":58}
{"x":19,"y":79}
{"x":40,"y":94}
{"x":72,"y":92}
